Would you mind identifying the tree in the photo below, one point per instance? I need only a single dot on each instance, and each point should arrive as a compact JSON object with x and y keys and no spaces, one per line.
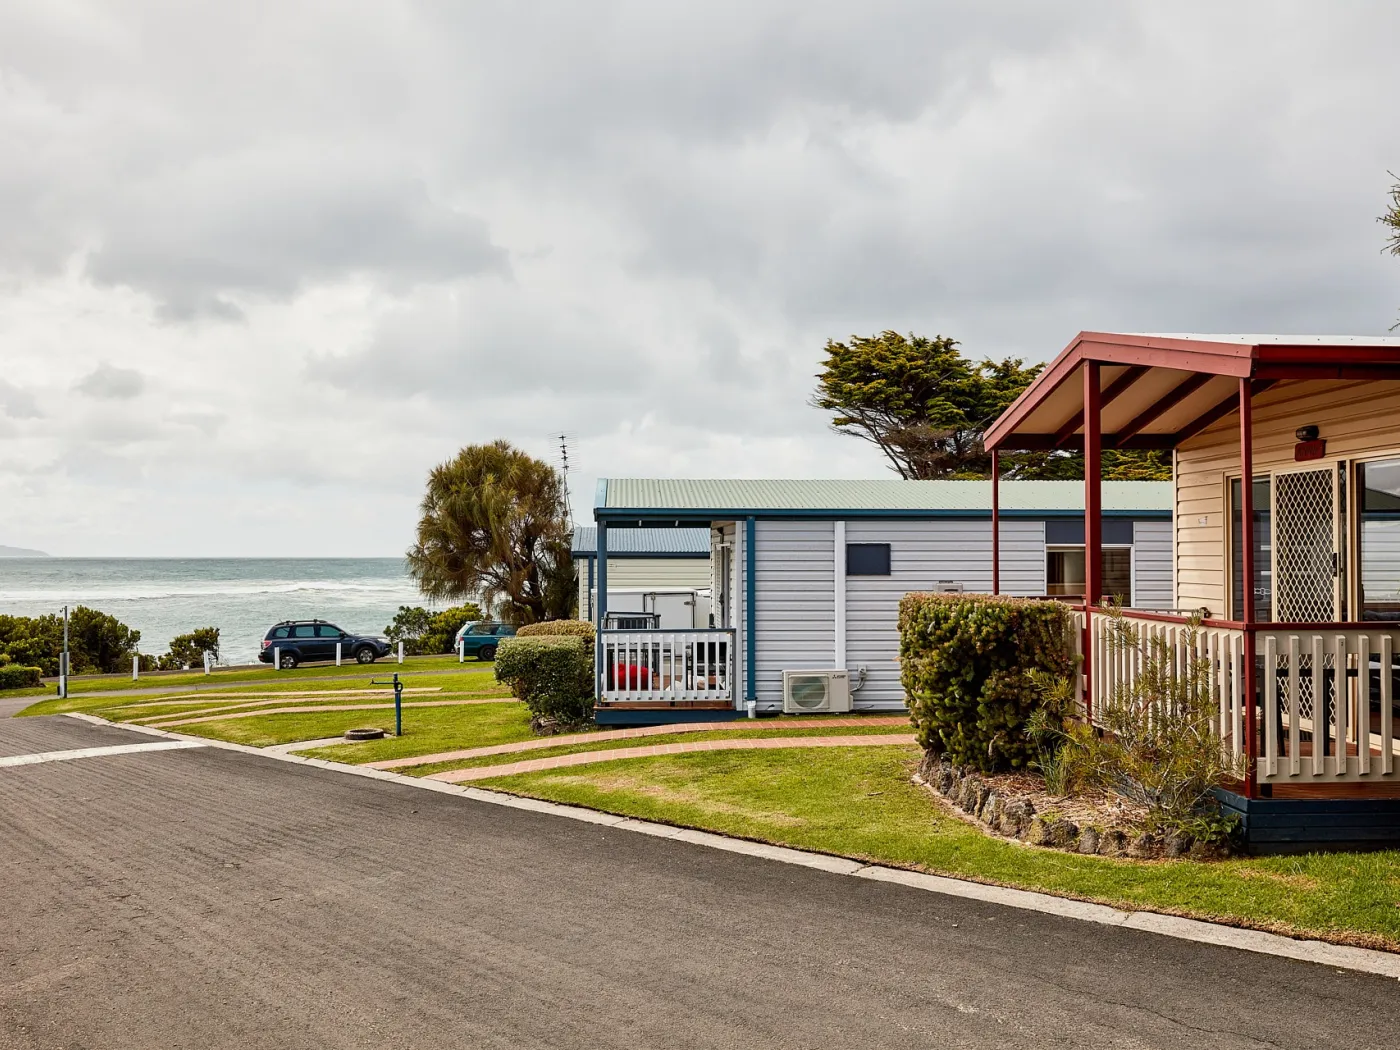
{"x":423,"y":632}
{"x":1391,"y":219}
{"x":925,"y":406}
{"x":494,"y":527}
{"x":187,"y":650}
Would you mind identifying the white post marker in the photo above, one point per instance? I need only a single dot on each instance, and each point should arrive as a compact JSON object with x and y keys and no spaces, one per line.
{"x":136,"y":667}
{"x":277,"y":658}
{"x":400,"y":650}
{"x":337,"y":654}
{"x":461,"y":650}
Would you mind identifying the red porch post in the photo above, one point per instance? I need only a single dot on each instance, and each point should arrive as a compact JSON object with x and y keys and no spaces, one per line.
{"x":1093,"y":519}
{"x":1247,"y":583}
{"x":996,"y":522}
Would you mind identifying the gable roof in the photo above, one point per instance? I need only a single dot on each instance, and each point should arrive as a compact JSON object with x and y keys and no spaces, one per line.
{"x":656,"y":543}
{"x":1157,"y":390}
{"x":686,"y":500}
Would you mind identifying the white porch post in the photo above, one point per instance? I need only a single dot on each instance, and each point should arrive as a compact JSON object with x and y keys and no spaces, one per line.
{"x":839,"y":593}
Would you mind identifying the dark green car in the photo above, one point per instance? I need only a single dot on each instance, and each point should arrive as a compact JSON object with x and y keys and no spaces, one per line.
{"x":479,"y":637}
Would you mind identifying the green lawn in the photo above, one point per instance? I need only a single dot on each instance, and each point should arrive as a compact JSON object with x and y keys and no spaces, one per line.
{"x":81,"y":685}
{"x":859,"y":802}
{"x":664,"y":738}
{"x":426,"y":729}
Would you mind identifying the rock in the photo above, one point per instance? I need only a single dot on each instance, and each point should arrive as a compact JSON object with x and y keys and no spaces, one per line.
{"x":991,"y":810}
{"x":1179,"y":843}
{"x":944,"y":779}
{"x":1145,"y":845}
{"x":974,"y":792}
{"x":1113,"y":842}
{"x":1062,"y":834}
{"x":1208,"y":851}
{"x":1017,"y":817}
{"x":1089,"y":840}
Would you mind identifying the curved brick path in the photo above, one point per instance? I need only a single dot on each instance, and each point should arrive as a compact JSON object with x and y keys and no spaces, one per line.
{"x":316,"y":709}
{"x":583,"y":758}
{"x":638,"y":731}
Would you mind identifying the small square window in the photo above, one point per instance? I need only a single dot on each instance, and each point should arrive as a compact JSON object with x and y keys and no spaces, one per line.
{"x":867,"y":559}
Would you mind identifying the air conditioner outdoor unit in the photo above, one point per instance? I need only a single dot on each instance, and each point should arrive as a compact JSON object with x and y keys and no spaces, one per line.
{"x":809,"y":692}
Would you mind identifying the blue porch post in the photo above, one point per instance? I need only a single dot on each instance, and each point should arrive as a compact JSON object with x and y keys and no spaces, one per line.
{"x":601,"y":607}
{"x":750,"y":691}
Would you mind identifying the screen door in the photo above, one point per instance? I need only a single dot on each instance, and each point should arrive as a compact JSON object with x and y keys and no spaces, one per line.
{"x":1305,"y":546}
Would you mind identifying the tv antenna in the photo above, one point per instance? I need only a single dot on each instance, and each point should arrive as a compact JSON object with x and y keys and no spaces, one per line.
{"x":563,"y":437}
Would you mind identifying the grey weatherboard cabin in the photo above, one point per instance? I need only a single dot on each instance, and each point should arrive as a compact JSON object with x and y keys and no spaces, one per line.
{"x":808,"y":575}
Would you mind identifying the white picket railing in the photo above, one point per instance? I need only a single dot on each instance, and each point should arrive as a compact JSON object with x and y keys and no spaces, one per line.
{"x":1114,"y":667}
{"x":1324,"y":698}
{"x":1328,"y":705}
{"x":666,"y":666}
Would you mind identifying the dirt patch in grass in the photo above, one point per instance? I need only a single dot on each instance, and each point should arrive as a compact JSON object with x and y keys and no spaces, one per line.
{"x":664,"y":793}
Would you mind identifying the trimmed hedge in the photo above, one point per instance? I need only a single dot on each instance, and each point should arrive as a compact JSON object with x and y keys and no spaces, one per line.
{"x":557,"y":629}
{"x":967,"y":665}
{"x":17,"y":676}
{"x":553,"y":675}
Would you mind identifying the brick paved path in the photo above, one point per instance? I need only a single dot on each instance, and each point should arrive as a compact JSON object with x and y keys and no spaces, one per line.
{"x":639,"y":731}
{"x":534,"y":765}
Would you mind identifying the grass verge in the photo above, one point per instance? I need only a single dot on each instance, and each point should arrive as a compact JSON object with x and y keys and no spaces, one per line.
{"x":426,"y":729}
{"x":860,"y":803}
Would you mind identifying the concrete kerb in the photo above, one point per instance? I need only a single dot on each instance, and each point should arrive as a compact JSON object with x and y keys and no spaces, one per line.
{"x":1339,"y":956}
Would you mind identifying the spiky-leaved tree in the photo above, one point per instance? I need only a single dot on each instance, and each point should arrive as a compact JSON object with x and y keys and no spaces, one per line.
{"x":494,"y":527}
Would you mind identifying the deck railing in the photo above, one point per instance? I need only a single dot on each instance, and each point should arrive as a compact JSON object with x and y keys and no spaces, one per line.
{"x":1324,"y":698}
{"x":666,"y":666}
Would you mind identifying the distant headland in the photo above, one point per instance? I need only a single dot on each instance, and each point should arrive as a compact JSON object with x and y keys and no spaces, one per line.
{"x":20,"y":552}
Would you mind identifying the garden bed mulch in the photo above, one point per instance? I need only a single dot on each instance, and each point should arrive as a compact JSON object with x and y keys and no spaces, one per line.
{"x":1017,"y":806}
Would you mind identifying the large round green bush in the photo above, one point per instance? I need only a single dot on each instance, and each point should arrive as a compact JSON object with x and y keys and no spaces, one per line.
{"x":969,"y":664}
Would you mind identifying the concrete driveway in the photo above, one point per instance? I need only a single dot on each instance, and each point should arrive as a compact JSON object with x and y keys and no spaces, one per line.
{"x":207,"y":898}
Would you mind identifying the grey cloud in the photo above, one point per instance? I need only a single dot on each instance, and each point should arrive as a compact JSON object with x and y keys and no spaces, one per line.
{"x":17,"y":403}
{"x":109,"y":383}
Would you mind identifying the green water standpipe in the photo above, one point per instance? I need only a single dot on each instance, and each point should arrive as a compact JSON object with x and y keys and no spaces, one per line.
{"x":398,"y":702}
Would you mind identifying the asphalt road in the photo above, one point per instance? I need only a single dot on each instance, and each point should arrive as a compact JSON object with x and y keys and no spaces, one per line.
{"x":207,"y":898}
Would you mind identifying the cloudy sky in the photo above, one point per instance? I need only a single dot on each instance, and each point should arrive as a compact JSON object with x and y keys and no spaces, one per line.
{"x":262,"y":265}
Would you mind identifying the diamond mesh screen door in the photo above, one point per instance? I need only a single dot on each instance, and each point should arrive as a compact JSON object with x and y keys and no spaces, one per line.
{"x":1305,"y":546}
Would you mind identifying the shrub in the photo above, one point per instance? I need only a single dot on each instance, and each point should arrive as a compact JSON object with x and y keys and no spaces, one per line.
{"x":187,"y":650}
{"x":558,"y":628}
{"x":98,"y":642}
{"x":425,"y":633}
{"x":1159,"y":746}
{"x":553,"y":675}
{"x":970,"y":667}
{"x":17,"y":676}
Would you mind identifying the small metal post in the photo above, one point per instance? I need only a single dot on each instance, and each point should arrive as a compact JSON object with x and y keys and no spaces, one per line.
{"x":136,"y":667}
{"x":398,"y":704}
{"x":63,"y":659}
{"x":461,"y":650}
{"x":277,"y":658}
{"x":208,"y":662}
{"x":337,"y":653}
{"x":400,"y":650}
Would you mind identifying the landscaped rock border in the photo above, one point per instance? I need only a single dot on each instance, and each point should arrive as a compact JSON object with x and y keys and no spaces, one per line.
{"x":995,"y":802}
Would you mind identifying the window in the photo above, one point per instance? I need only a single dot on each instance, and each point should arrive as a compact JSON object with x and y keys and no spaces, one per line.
{"x":867,"y":559}
{"x":505,"y":630}
{"x":1263,"y":552}
{"x":327,"y":630}
{"x":482,"y":628}
{"x":1064,"y":573}
{"x":282,"y":632}
{"x":1378,"y":552}
{"x":304,"y":630}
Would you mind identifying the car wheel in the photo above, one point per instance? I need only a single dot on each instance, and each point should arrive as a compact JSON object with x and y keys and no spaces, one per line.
{"x":289,"y":660}
{"x":364,"y":655}
{"x":488,"y":652}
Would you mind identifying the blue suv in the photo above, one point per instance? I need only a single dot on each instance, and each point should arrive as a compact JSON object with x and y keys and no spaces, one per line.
{"x":301,"y":640}
{"x":479,"y":637}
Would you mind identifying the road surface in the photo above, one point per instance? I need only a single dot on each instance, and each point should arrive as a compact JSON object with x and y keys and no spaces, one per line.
{"x":207,"y":898}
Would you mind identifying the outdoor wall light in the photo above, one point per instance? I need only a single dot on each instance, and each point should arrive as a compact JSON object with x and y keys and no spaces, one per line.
{"x":1307,"y":433}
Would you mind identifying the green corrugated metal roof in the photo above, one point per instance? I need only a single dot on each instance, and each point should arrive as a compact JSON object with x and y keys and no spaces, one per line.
{"x":734,"y":494}
{"x":675,"y":543}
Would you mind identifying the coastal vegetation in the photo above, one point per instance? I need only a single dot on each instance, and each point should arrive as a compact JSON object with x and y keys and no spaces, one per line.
{"x":423,"y":632}
{"x":495,"y":528}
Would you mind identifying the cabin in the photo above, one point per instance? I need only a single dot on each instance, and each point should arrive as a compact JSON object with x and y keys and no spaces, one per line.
{"x":658,"y":574}
{"x":1299,"y":437}
{"x":808,"y":575}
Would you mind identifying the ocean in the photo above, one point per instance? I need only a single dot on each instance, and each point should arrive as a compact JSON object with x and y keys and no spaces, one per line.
{"x":163,"y":597}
